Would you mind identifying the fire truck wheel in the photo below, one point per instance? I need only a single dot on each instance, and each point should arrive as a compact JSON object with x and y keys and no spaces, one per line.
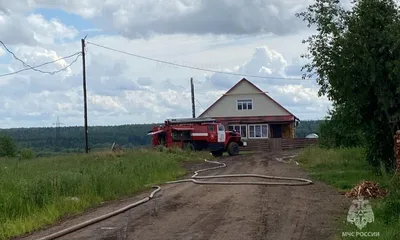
{"x":217,"y":154}
{"x":233,"y":149}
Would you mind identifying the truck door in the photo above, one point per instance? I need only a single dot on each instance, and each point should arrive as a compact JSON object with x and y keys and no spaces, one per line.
{"x":213,"y":137}
{"x":221,"y":133}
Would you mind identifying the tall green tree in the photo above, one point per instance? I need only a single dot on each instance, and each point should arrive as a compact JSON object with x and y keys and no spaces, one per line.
{"x":338,"y":131}
{"x":356,"y":57}
{"x":8,"y":148}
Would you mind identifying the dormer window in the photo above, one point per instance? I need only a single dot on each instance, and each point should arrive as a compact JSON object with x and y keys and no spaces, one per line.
{"x":245,"y":104}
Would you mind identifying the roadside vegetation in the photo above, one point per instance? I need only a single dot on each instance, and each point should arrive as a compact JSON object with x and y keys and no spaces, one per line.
{"x":354,"y":57}
{"x":344,"y":168}
{"x":38,"y":191}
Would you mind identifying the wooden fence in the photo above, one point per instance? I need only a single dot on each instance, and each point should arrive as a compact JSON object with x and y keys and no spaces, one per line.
{"x":278,"y":144}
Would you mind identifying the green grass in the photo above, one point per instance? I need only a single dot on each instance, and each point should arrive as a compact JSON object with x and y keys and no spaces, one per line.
{"x":37,"y":192}
{"x":343,"y":169}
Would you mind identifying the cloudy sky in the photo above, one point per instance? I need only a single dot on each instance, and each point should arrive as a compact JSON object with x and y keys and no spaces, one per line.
{"x":252,"y":37}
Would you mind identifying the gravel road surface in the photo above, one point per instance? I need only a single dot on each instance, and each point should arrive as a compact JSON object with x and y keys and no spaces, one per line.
{"x":189,"y":211}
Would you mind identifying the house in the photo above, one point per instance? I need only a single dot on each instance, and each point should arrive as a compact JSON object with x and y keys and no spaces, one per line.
{"x":250,"y":111}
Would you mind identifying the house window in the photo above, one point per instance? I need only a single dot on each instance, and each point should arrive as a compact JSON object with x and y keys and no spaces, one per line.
{"x":240,"y":129}
{"x":246,"y":104}
{"x":258,"y":131}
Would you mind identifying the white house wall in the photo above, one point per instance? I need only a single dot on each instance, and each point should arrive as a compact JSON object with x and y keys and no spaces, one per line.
{"x":262,"y":105}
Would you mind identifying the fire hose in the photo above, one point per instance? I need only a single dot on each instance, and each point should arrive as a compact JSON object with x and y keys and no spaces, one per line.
{"x":301,"y":181}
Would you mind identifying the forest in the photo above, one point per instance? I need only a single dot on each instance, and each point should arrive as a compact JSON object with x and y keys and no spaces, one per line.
{"x":71,"y":139}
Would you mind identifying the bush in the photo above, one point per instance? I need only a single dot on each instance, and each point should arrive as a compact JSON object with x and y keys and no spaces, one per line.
{"x":27,"y":153}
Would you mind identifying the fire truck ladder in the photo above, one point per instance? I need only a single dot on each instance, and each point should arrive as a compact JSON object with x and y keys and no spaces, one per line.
{"x":190,"y":120}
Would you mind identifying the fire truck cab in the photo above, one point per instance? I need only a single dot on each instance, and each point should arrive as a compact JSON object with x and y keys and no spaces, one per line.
{"x":197,"y":134}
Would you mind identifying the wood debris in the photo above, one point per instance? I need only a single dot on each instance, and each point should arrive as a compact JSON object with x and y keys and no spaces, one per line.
{"x":367,"y":189}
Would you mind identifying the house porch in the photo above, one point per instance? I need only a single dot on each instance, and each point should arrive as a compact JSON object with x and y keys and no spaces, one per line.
{"x":253,"y":128}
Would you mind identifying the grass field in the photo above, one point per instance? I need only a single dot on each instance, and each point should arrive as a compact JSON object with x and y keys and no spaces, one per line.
{"x":343,"y":169}
{"x":39,"y":191}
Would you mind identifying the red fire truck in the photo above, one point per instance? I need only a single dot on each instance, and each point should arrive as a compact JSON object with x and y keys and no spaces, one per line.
{"x":197,"y":134}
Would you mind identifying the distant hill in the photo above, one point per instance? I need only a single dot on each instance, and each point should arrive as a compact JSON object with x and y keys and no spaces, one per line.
{"x":71,"y":139}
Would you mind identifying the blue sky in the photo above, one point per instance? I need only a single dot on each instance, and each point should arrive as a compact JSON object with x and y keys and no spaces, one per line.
{"x":84,"y":26}
{"x":66,"y":18}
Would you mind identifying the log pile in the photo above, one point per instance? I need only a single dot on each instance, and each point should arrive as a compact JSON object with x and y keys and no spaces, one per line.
{"x":367,"y":189}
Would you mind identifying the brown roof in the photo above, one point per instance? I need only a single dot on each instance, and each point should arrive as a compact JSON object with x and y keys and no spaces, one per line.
{"x":244,"y":79}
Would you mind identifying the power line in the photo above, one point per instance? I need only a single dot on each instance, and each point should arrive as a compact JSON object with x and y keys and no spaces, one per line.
{"x":78,"y":54}
{"x":29,"y":67}
{"x":191,"y":67}
{"x":200,"y":104}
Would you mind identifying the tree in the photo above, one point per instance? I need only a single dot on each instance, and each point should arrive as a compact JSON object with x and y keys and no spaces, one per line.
{"x":8,"y":148}
{"x":356,"y":57}
{"x":338,"y":131}
{"x":27,"y":153}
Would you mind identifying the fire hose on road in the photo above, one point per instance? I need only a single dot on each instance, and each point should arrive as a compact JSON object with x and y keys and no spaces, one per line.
{"x":300,"y":182}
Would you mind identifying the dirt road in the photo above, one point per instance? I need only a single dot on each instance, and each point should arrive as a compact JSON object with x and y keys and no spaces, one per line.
{"x":189,"y":211}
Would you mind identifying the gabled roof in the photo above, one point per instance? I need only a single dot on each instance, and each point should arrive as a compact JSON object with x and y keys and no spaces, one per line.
{"x":237,"y":84}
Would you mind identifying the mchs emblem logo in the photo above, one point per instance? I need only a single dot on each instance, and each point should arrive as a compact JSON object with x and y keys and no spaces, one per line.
{"x":360,"y":213}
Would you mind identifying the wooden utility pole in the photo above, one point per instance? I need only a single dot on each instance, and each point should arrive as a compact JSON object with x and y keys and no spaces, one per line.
{"x":84,"y":96}
{"x":193,"y":105}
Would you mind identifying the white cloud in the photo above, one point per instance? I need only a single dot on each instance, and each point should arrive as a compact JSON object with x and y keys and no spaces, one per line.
{"x":34,"y":55}
{"x":299,"y":97}
{"x":268,"y":65}
{"x":46,"y":32}
{"x":12,"y":7}
{"x":106,"y":103}
{"x":264,"y":60}
{"x":16,"y":28}
{"x":143,"y":18}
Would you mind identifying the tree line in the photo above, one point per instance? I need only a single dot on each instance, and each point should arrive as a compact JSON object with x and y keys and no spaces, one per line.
{"x":71,"y":139}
